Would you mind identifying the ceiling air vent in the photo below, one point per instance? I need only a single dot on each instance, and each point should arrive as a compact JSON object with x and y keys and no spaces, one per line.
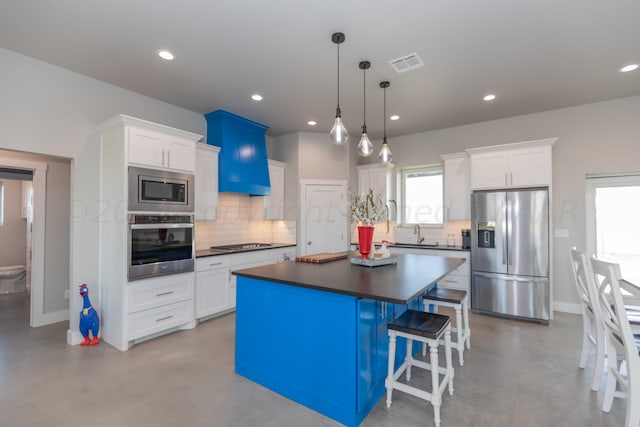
{"x":407,"y":63}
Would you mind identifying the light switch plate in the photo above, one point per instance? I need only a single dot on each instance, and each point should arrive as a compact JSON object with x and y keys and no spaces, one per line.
{"x":561,"y":233}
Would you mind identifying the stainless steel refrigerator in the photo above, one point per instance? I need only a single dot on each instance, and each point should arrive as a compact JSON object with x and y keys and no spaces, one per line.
{"x":510,"y":253}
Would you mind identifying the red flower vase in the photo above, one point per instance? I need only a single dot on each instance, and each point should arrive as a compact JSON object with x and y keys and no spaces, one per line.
{"x":365,"y":236}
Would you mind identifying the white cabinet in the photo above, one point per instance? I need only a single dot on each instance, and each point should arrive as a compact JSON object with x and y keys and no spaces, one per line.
{"x":456,"y":186}
{"x":271,"y":207}
{"x":460,"y":278}
{"x":523,"y":164}
{"x":136,"y":310}
{"x":379,"y":178}
{"x":206,"y":194}
{"x":216,"y":286}
{"x":212,"y":285}
{"x":160,"y":150}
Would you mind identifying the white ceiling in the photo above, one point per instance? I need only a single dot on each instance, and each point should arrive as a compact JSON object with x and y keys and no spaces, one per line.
{"x":535,"y":55}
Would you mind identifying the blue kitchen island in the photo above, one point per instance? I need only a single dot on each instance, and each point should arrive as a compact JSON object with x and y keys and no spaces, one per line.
{"x":317,"y":333}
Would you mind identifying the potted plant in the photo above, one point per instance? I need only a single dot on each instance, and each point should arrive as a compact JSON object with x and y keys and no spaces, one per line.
{"x":367,"y":210}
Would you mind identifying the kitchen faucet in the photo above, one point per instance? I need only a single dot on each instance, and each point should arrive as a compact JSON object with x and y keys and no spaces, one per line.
{"x":416,"y":230}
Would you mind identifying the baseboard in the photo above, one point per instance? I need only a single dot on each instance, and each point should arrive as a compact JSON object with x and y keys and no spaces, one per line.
{"x":74,"y":337}
{"x":567,"y":307}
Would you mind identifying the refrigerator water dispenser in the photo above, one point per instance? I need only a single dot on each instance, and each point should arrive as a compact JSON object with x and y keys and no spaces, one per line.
{"x":486,"y":234}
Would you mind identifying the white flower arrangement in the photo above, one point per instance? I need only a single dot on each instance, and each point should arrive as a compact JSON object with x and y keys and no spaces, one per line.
{"x":368,"y":209}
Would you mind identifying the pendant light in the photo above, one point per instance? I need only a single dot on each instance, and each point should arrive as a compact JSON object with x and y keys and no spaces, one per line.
{"x":338,"y":134}
{"x":365,"y":147}
{"x":385,"y":152}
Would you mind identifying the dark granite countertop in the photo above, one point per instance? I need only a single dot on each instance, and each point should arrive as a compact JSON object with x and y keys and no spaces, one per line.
{"x":434,"y":247}
{"x":213,"y":252}
{"x":396,"y":283}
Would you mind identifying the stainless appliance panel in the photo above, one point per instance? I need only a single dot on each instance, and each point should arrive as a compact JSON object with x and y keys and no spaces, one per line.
{"x":509,"y":295}
{"x":488,"y":232}
{"x":160,"y":244}
{"x":528,"y":232}
{"x":152,"y":190}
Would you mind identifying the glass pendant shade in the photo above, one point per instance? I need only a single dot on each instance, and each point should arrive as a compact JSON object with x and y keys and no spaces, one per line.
{"x":385,"y":153}
{"x":365,"y":147}
{"x":339,"y":134}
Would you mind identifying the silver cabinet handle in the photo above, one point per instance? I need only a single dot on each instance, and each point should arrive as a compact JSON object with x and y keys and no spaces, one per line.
{"x":168,"y":158}
{"x":162,"y":157}
{"x":309,"y":242}
{"x":164,"y":294}
{"x":215,"y":263}
{"x":505,"y":179}
{"x":511,"y":177}
{"x":162,"y":319}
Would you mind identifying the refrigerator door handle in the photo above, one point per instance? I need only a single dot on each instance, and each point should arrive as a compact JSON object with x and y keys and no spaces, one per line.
{"x":509,"y":246}
{"x":504,"y":234}
{"x":528,"y":279}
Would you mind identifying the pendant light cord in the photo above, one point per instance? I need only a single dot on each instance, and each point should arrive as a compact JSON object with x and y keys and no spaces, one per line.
{"x":384,"y":119}
{"x":364,"y":91}
{"x":338,"y":73}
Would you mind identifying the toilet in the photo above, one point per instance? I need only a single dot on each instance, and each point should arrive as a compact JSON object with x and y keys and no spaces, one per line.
{"x":12,"y":279}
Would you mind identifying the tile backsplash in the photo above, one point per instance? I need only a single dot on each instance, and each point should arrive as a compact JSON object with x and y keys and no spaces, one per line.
{"x":235,"y":225}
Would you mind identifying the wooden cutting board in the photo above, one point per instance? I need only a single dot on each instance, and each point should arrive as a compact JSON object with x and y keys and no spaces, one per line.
{"x":322,"y":257}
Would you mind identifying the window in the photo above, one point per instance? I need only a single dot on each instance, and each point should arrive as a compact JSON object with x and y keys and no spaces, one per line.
{"x":422,"y":195}
{"x":613,"y":206}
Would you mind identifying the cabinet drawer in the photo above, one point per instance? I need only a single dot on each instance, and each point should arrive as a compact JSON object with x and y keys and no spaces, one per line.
{"x":455,"y":282}
{"x":160,"y":291}
{"x":159,"y":319}
{"x":211,"y":262}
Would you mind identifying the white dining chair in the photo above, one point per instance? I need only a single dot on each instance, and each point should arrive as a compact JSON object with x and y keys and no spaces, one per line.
{"x":592,"y":326}
{"x":623,"y":348}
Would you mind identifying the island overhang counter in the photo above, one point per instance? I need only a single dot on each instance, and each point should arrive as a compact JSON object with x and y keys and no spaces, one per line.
{"x":317,"y":333}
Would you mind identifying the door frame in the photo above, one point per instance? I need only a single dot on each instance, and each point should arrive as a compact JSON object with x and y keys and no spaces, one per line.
{"x":304,"y":183}
{"x":37,"y":316}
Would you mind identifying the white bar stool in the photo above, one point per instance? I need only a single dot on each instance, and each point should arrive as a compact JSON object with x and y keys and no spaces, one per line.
{"x":427,"y":328}
{"x":458,"y":300}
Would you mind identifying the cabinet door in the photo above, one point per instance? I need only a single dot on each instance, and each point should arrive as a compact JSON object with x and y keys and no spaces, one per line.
{"x":363,"y":181}
{"x":212,"y":292}
{"x":530,"y":166}
{"x":146,"y":147}
{"x":456,"y":188}
{"x":489,"y":170}
{"x":181,"y":154}
{"x":206,"y":194}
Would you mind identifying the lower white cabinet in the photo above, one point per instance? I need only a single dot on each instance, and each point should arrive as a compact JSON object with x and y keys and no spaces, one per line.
{"x":460,"y":278}
{"x":159,"y":319}
{"x":216,"y":286}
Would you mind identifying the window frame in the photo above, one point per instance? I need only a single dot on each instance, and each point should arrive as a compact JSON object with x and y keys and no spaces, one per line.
{"x":1,"y":203}
{"x":435,"y":167}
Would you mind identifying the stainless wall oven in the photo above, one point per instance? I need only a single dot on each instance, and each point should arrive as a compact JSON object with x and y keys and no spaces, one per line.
{"x":160,"y":191}
{"x":160,"y":244}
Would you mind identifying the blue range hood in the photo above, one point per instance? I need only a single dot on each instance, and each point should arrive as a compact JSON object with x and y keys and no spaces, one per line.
{"x":242,"y":162}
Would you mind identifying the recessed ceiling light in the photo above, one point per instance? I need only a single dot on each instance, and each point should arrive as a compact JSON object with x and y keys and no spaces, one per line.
{"x":256,"y":97}
{"x":489,"y":97}
{"x":165,"y":54}
{"x":394,"y":117}
{"x":630,"y":67}
{"x":312,"y":123}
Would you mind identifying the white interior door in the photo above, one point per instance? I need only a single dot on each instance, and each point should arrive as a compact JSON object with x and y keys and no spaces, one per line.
{"x":325,"y":224}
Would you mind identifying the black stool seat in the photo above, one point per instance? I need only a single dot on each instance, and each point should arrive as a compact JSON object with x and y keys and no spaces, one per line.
{"x":446,"y":295}
{"x":428,"y":325}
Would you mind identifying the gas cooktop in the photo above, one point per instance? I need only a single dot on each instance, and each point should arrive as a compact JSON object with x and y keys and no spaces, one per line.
{"x":241,"y":247}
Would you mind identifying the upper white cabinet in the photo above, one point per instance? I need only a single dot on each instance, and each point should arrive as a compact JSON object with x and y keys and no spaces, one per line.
{"x":271,"y":207}
{"x":379,"y":178}
{"x":206,"y":197}
{"x":157,"y":149}
{"x":456,"y":186}
{"x":523,"y":164}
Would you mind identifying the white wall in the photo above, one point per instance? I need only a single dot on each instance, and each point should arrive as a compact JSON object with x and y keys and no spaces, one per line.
{"x":13,"y":231}
{"x":594,"y":138}
{"x":49,"y":110}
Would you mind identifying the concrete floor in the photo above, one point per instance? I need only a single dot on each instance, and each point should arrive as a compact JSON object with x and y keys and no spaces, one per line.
{"x":516,"y":374}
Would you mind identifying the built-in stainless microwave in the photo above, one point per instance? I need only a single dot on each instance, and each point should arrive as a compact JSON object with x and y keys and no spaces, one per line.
{"x":153,"y":190}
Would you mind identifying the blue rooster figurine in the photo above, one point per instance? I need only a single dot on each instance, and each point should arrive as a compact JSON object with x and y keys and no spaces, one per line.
{"x":89,"y":320}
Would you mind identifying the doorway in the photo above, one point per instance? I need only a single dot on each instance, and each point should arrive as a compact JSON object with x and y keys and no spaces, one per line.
{"x":613,"y":208}
{"x":35,"y":257}
{"x":324,"y":225}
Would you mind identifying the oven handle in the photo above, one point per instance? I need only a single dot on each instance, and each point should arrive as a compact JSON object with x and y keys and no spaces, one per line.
{"x":152,"y":226}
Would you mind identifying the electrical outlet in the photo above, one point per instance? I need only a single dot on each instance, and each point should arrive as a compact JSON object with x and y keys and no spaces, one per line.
{"x":66,"y":294}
